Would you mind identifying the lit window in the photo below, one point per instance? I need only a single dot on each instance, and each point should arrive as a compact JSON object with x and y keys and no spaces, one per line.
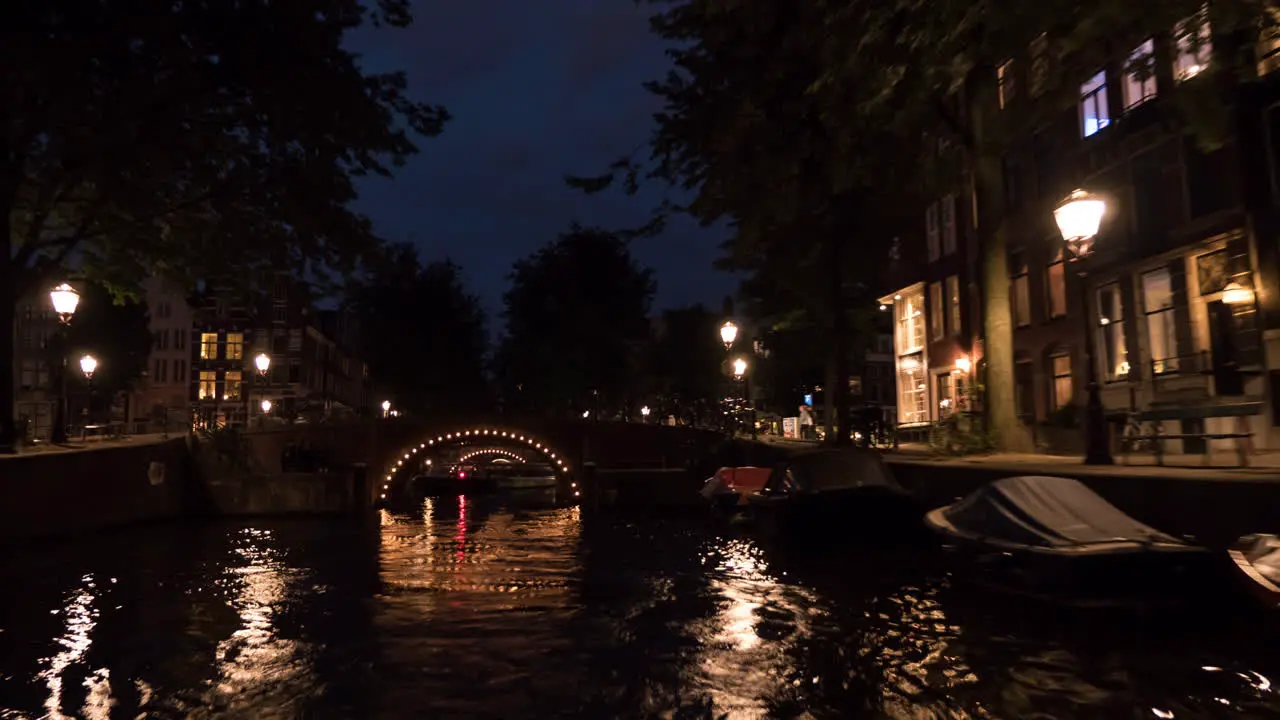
{"x":209,"y":346}
{"x":208,"y":389}
{"x":1094,"y":113}
{"x":1004,"y":83}
{"x":911,"y":391}
{"x":1062,"y":390}
{"x":932,"y":232}
{"x":235,"y":346}
{"x":233,"y":385}
{"x":1115,"y":353}
{"x":1140,"y":75}
{"x":1269,"y":42}
{"x":1162,"y":333}
{"x":936,"y":314}
{"x":1056,"y":280}
{"x":910,"y":317}
{"x":1194,"y":41}
{"x":953,"y":298}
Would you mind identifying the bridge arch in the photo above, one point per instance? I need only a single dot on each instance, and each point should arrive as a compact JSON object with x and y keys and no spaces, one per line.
{"x":500,"y":454}
{"x":500,"y":435}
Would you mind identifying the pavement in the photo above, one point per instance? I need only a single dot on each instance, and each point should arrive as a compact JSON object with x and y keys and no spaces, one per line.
{"x":91,"y":443}
{"x":1263,"y":466}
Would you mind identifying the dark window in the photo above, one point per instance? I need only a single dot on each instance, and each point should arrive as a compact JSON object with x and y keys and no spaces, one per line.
{"x":1210,"y":186}
{"x":1012,"y":185}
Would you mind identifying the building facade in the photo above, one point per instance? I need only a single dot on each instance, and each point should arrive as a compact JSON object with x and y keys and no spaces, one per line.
{"x":34,"y":366}
{"x":159,"y":401}
{"x":1179,"y":292}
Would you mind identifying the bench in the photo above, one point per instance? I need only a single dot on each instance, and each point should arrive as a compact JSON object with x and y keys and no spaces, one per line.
{"x":1156,"y":415}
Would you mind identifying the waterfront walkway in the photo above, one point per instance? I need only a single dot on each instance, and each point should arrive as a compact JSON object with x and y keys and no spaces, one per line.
{"x":1263,"y":466}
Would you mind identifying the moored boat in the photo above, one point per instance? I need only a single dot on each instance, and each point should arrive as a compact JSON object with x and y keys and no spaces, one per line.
{"x":1257,"y":557}
{"x":1053,"y":538}
{"x":728,"y":488}
{"x":842,"y":493}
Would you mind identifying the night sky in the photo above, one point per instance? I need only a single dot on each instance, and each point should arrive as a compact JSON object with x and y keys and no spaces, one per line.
{"x":537,"y":90}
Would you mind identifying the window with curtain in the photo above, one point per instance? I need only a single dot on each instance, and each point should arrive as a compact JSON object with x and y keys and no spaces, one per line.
{"x":1115,"y":354}
{"x":937,"y":328}
{"x":1162,"y":334}
{"x":1020,"y":288}
{"x":953,"y":303}
{"x":1060,"y":367}
{"x":1139,"y":76}
{"x":1055,"y":280}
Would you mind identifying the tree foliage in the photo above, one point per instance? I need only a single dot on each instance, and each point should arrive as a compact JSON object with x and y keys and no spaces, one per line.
{"x":425,"y":336}
{"x":686,"y":359}
{"x":577,"y":321}
{"x":115,"y":333}
{"x":197,"y":139}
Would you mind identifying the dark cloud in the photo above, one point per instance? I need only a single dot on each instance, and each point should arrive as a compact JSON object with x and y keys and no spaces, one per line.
{"x":538,"y":90}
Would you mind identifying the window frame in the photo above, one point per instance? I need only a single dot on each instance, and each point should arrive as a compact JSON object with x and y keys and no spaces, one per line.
{"x":1133,"y":83}
{"x":1111,"y":338}
{"x":1164,"y":316}
{"x":1055,"y":376}
{"x":1059,"y":261}
{"x":1093,"y":92}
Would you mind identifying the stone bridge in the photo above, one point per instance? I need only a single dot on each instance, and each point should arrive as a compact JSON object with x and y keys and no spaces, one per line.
{"x":391,"y":449}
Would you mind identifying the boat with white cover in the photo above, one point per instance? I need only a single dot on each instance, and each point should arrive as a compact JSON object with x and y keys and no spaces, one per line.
{"x":1257,"y":557}
{"x":1054,"y":538}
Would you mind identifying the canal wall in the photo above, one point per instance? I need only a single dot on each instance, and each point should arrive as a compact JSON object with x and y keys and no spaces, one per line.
{"x":76,"y":491}
{"x":293,"y":493}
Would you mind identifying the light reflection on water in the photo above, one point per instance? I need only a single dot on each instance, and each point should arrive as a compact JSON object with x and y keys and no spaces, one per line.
{"x":460,"y":608}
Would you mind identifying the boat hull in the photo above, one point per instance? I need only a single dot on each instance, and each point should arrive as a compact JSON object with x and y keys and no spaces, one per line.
{"x":874,"y":514}
{"x":1117,"y":579}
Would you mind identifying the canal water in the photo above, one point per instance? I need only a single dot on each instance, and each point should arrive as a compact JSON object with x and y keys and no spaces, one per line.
{"x":460,"y":609}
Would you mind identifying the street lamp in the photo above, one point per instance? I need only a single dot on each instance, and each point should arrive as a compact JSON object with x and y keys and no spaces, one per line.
{"x":88,"y":364}
{"x":263,"y":363}
{"x":65,"y":300}
{"x":1236,"y":294}
{"x":644,"y":411}
{"x":739,"y":368}
{"x":728,"y":333}
{"x":266,"y":406}
{"x":1078,"y":217}
{"x":386,"y":408}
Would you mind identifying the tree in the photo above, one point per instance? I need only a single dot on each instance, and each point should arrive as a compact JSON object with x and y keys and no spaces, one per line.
{"x":744,"y":130}
{"x":425,"y":336}
{"x":577,"y":320}
{"x":117,"y":334}
{"x":687,"y":358}
{"x":200,"y":140}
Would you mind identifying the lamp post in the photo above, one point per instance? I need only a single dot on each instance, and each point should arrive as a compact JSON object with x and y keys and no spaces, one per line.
{"x":740,"y":368}
{"x":263,"y":363}
{"x":386,"y":408}
{"x":88,"y":364}
{"x":65,"y":300}
{"x":1078,"y":218}
{"x":644,"y":412}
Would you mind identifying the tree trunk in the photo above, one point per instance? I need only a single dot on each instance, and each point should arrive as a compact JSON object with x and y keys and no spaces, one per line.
{"x":1006,"y":431}
{"x":8,"y":346}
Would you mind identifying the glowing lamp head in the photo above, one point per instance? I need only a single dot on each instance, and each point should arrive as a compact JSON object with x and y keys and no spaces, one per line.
{"x":88,"y":364}
{"x":266,"y":407}
{"x":739,"y":367}
{"x":65,"y":300}
{"x":1079,"y":216}
{"x":262,"y":362}
{"x":386,"y":405}
{"x":963,"y":364}
{"x":1236,"y":294}
{"x":645,"y":411}
{"x":728,"y":333}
